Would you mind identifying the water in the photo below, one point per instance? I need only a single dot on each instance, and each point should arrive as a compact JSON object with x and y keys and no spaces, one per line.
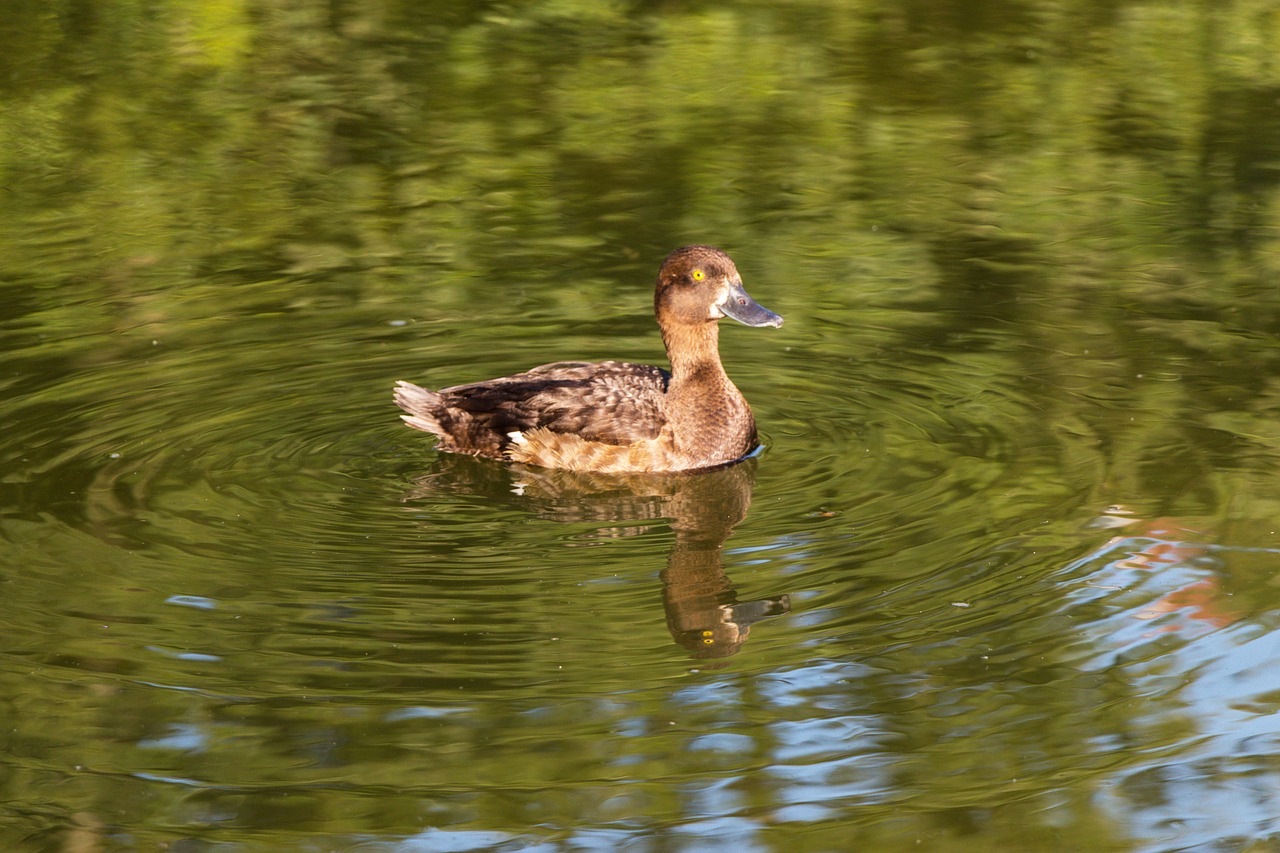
{"x":1002,"y":577}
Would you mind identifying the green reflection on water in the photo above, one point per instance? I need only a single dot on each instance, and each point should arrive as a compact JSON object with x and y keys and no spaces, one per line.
{"x":1027,"y":254}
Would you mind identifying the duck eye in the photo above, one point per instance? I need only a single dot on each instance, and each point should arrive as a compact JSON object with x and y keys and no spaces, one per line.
{"x":699,"y":275}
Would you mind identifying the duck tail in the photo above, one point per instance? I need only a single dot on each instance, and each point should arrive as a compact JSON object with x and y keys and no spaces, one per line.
{"x":422,"y":407}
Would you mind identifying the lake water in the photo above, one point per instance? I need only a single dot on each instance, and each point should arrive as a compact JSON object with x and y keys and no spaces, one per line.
{"x":1004,"y":576}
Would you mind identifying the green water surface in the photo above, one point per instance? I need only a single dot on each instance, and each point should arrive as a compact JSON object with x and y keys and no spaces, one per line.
{"x":1004,"y":576}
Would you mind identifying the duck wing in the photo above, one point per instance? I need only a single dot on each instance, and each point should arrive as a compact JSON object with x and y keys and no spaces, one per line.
{"x":612,"y":402}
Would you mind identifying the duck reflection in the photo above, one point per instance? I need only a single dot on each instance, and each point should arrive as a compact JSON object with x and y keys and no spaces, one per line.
{"x":702,"y":608}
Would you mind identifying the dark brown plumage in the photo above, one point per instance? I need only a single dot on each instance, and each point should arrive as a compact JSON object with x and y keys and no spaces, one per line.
{"x":616,"y":417}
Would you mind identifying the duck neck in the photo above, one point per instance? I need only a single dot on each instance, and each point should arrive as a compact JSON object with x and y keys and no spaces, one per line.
{"x":710,"y":420}
{"x":694,"y":352}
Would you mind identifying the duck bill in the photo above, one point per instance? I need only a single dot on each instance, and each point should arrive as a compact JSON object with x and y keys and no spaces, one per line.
{"x":741,"y":307}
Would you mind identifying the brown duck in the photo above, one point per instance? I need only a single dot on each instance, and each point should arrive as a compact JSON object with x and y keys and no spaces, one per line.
{"x":615,"y":417}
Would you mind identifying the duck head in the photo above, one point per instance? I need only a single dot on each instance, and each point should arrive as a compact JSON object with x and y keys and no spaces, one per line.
{"x":700,"y":284}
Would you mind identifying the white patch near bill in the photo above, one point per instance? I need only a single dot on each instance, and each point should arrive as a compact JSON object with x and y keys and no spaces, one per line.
{"x":714,"y":311}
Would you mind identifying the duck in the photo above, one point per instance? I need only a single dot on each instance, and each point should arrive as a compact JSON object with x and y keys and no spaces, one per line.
{"x":614,"y":417}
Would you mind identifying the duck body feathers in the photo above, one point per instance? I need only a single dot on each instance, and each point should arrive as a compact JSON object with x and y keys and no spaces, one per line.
{"x":610,"y":401}
{"x":611,"y":416}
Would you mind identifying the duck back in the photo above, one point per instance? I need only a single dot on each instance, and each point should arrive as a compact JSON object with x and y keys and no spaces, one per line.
{"x":611,"y":402}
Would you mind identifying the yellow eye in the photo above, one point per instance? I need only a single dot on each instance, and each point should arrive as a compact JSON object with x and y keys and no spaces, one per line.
{"x":698,"y":275}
